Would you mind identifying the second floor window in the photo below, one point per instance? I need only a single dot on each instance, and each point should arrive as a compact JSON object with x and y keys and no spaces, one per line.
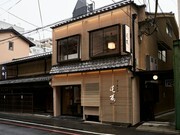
{"x":169,"y":30}
{"x":68,"y":48}
{"x":104,"y":41}
{"x":11,"y":46}
{"x":162,"y":54}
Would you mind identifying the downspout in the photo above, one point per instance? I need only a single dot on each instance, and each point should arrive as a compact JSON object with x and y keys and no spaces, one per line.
{"x":133,"y":41}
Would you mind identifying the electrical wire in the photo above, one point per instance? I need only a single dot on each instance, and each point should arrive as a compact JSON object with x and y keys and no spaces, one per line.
{"x":14,"y":5}
{"x":30,"y":31}
{"x":40,"y":13}
{"x":149,"y":5}
{"x":43,"y":27}
{"x":156,"y":9}
{"x":19,"y":18}
{"x":126,"y":12}
{"x":140,"y":2}
{"x":161,"y":33}
{"x":50,"y":25}
{"x":11,"y":7}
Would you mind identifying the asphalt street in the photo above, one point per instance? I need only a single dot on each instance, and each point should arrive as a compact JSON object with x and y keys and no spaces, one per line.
{"x":13,"y":127}
{"x":24,"y":124}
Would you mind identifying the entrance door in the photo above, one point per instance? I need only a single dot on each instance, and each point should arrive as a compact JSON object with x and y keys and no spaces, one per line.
{"x":71,"y":100}
{"x":149,"y":97}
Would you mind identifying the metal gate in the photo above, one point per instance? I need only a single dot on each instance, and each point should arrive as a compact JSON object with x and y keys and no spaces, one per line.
{"x":16,"y":102}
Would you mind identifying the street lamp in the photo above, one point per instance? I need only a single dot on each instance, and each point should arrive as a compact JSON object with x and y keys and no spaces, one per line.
{"x":155,"y":77}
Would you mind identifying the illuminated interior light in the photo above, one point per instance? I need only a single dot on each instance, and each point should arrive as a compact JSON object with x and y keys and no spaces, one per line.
{"x":111,"y":45}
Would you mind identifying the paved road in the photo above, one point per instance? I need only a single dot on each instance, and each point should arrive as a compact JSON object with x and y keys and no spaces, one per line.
{"x":18,"y":128}
{"x":10,"y":128}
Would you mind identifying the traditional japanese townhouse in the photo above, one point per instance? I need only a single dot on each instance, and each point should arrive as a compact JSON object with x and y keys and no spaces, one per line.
{"x":24,"y":85}
{"x":13,"y":45}
{"x":98,"y":58}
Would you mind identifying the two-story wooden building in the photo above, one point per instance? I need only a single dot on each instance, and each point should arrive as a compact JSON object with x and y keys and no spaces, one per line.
{"x":104,"y":60}
{"x":24,"y":85}
{"x":13,"y":45}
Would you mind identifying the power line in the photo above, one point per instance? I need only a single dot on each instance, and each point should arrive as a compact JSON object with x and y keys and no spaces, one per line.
{"x":50,"y":25}
{"x":156,"y":9}
{"x":30,"y":31}
{"x":149,"y":5}
{"x":14,"y":5}
{"x":40,"y":15}
{"x":165,"y":19}
{"x":126,"y":12}
{"x":140,"y":2}
{"x":19,"y":18}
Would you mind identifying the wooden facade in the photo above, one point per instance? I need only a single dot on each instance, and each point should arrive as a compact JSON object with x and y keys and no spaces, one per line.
{"x":106,"y":90}
{"x":24,"y":85}
{"x":114,"y":83}
{"x":109,"y":78}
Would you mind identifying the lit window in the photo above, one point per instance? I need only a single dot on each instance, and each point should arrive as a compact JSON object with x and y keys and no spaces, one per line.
{"x":162,"y":55}
{"x":68,"y":48}
{"x":11,"y":46}
{"x":104,"y":41}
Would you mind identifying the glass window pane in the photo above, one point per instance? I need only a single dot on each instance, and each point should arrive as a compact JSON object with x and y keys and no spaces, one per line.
{"x":68,"y":48}
{"x":111,"y":36}
{"x":105,"y":41}
{"x":97,"y":42}
{"x":73,"y":43}
{"x":159,"y":55}
{"x":164,"y":55}
{"x":63,"y":48}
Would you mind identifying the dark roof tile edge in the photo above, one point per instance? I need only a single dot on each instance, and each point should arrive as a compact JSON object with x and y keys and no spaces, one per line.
{"x":95,"y":12}
{"x":26,"y":80}
{"x":18,"y":35}
{"x":93,"y":65}
{"x":41,"y":55}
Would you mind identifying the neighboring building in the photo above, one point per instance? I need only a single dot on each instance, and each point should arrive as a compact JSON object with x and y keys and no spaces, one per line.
{"x":5,"y":25}
{"x":103,"y":64}
{"x":13,"y":45}
{"x":42,"y":46}
{"x":156,"y":60}
{"x":24,"y":85}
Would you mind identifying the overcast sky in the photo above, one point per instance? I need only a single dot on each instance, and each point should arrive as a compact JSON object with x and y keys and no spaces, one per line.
{"x":15,"y":11}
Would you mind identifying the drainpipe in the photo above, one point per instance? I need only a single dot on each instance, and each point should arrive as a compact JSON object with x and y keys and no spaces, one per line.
{"x":133,"y":41}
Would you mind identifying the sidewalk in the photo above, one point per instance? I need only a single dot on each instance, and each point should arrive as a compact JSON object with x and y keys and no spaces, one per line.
{"x":161,"y":125}
{"x":64,"y":122}
{"x":79,"y":124}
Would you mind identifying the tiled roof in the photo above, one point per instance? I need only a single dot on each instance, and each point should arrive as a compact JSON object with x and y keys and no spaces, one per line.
{"x":17,"y":35}
{"x":38,"y":56}
{"x":93,"y":65}
{"x":95,"y":12}
{"x":26,"y":80}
